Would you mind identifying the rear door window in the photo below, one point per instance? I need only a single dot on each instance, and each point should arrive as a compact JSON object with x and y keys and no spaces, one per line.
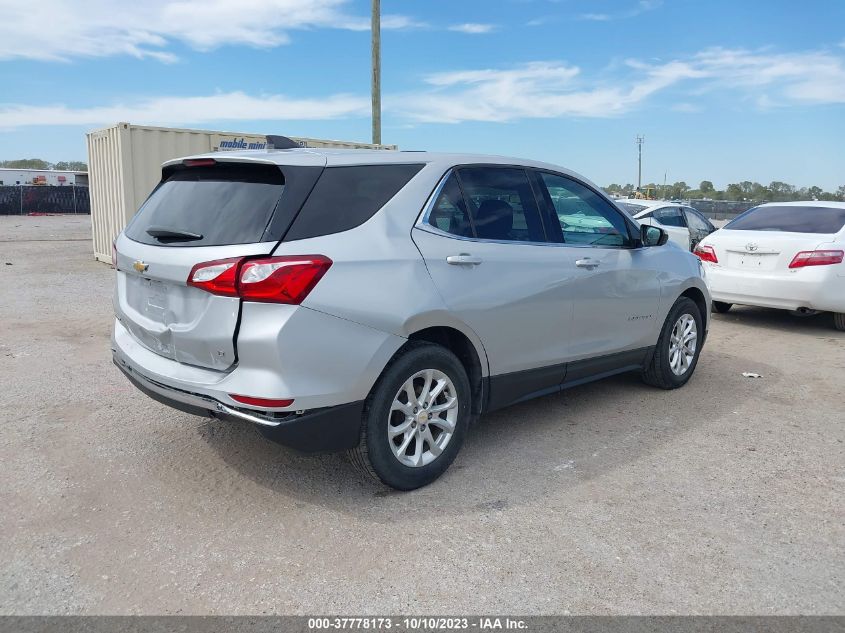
{"x":227,"y":203}
{"x":670,"y":216}
{"x":698,"y":222}
{"x":501,"y":204}
{"x":449,"y":213}
{"x":346,"y":197}
{"x":791,"y":219}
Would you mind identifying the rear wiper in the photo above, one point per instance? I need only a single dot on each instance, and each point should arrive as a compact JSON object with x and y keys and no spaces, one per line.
{"x":167,"y":233}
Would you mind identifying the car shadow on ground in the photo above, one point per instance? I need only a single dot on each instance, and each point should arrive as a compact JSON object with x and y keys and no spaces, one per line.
{"x":531,"y":449}
{"x":781,"y":320}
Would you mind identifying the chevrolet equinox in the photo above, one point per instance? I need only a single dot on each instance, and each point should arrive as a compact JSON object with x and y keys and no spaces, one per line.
{"x":377,"y":302}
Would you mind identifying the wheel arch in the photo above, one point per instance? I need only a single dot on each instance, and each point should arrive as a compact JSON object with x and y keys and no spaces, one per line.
{"x":700,"y":300}
{"x":461,"y":346}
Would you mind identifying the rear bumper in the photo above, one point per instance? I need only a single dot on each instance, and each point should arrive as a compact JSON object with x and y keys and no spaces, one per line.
{"x":817,"y":288}
{"x":320,"y":430}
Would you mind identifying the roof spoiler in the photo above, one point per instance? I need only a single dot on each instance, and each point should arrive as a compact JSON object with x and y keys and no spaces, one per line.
{"x":281,"y":142}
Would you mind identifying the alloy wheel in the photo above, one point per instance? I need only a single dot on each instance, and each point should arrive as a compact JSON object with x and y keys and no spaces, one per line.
{"x":682,"y":344}
{"x":422,"y":417}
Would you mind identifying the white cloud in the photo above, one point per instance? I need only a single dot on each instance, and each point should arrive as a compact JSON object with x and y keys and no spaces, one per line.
{"x":57,"y":30}
{"x":535,"y":90}
{"x":233,"y":106}
{"x":802,"y":77}
{"x":473,"y":28}
{"x":556,"y":89}
{"x":641,"y":7}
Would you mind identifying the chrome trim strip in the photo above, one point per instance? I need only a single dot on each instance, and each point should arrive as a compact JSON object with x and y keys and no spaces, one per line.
{"x":222,"y":408}
{"x":185,"y":397}
{"x":428,"y":228}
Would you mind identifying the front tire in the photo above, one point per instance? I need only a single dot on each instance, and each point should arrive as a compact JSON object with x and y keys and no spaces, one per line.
{"x":721,"y":307}
{"x":415,"y":419}
{"x":678,"y":348}
{"x":839,"y":320}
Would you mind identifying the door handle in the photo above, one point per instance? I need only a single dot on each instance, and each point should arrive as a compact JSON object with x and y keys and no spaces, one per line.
{"x":463,"y":259}
{"x":587,"y":263}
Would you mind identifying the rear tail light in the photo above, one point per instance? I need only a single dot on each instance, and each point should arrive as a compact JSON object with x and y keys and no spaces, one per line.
{"x":261,"y":402}
{"x":218,"y":277}
{"x":706,"y":253}
{"x":281,"y":279}
{"x":816,"y":258}
{"x":286,"y":279}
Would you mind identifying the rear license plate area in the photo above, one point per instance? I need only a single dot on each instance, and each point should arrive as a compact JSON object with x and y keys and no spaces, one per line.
{"x":752,"y":261}
{"x":156,"y":302}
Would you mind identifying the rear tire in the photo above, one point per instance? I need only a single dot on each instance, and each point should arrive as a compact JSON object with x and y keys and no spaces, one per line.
{"x":406,"y":442}
{"x":839,"y":320}
{"x":721,"y":307}
{"x":678,"y":347}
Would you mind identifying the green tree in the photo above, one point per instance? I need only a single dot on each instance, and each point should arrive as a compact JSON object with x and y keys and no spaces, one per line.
{"x":706,"y":187}
{"x":734,"y":192}
{"x":781,"y":191}
{"x":26,"y":163}
{"x":72,"y":165}
{"x":678,"y":190}
{"x":759,"y":192}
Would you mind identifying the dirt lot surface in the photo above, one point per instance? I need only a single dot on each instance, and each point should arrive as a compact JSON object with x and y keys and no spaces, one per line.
{"x":723,"y":497}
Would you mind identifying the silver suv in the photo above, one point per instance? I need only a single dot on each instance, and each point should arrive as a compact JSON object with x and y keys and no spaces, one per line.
{"x":378,"y":302}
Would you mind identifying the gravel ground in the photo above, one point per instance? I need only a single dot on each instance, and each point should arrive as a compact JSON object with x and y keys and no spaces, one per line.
{"x":724,"y":497}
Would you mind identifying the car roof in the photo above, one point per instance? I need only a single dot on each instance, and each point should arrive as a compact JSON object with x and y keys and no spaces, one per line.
{"x":331,"y":157}
{"x":648,"y":204}
{"x":830,"y":204}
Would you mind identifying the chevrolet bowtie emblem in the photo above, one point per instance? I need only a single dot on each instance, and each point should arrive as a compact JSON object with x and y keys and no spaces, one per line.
{"x":140,"y":266}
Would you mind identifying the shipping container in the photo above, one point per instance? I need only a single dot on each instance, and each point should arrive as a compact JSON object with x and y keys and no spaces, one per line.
{"x":124,"y":164}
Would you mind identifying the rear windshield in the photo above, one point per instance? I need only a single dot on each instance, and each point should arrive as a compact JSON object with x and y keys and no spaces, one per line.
{"x":345,"y":197}
{"x":791,"y":219}
{"x":228,"y":203}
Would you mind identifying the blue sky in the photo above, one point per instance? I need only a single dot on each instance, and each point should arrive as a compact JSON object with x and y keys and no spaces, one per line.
{"x":721,"y":90}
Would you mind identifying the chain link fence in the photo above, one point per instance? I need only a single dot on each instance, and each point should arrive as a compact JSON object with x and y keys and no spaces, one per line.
{"x":26,"y":199}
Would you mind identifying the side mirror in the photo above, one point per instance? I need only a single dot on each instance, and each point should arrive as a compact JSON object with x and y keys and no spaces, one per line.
{"x":653,"y":236}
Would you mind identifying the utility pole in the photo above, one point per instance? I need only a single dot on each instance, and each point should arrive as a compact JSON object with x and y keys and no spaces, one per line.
{"x":376,"y":83}
{"x":640,"y":141}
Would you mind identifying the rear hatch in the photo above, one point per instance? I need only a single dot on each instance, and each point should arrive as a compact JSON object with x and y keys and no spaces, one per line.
{"x":203,"y":210}
{"x":766,"y":239}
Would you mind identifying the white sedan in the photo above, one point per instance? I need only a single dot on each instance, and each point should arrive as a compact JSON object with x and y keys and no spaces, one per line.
{"x":684,"y":225}
{"x":786,"y":255}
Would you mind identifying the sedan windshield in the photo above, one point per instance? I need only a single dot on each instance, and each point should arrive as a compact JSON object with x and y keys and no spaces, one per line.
{"x":790,"y":219}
